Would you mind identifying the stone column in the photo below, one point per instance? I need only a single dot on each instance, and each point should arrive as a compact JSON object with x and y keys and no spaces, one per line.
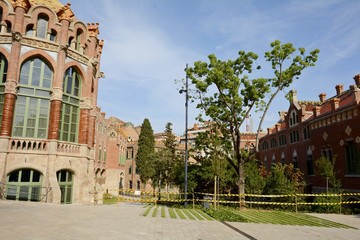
{"x":85,"y":107}
{"x":55,"y":110}
{"x":12,"y":82}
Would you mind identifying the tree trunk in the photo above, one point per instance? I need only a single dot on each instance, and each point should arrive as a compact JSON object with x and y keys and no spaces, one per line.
{"x":241,"y":185}
{"x":263,"y":117}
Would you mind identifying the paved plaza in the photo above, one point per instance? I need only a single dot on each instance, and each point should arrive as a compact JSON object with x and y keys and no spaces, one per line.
{"x":25,"y":220}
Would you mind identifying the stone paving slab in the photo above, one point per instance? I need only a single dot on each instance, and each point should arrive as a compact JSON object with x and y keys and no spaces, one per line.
{"x":40,"y":221}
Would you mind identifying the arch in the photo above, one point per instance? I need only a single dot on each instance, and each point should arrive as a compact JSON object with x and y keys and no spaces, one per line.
{"x":32,"y":107}
{"x":70,"y":108}
{"x":42,"y":25}
{"x":3,"y":74}
{"x":5,"y":52}
{"x":36,"y":53}
{"x":65,"y":179}
{"x":24,"y":184}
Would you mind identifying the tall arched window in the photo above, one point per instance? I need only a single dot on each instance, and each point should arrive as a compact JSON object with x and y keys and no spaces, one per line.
{"x":42,"y":26}
{"x":78,"y":39}
{"x":33,"y":100}
{"x":3,"y":72}
{"x":294,"y":118}
{"x":65,"y":180}
{"x":70,"y":106}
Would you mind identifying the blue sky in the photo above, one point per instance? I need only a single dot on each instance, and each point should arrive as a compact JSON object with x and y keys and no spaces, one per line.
{"x":149,"y":42}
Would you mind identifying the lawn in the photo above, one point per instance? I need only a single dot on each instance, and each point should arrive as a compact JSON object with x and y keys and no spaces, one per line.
{"x":248,"y":215}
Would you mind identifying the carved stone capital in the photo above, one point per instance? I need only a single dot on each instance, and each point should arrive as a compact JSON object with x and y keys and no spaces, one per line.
{"x":16,"y":36}
{"x":11,"y":86}
{"x":93,"y":111}
{"x":64,"y":48}
{"x":101,"y":75}
{"x":85,"y":103}
{"x":56,"y":94}
{"x":94,"y":62}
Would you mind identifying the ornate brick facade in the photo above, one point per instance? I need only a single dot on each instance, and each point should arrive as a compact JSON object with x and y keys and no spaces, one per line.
{"x":51,"y":63}
{"x":311,"y":129}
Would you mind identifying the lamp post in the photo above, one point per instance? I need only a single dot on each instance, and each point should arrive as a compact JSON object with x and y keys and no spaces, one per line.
{"x":186,"y":134}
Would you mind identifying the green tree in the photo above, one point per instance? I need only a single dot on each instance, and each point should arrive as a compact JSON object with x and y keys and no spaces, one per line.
{"x":226,"y":95}
{"x":145,"y":154}
{"x":286,"y":68}
{"x":326,"y":167}
{"x":283,"y":179}
{"x":254,"y":180}
{"x":170,"y":139}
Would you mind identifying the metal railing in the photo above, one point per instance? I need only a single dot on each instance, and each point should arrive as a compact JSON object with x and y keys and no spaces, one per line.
{"x":24,"y":192}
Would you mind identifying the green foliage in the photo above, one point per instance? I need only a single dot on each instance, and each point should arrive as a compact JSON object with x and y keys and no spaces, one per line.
{"x":254,"y":180}
{"x":225,"y":214}
{"x":109,"y":199}
{"x":146,"y":149}
{"x":287,"y":66}
{"x":283,"y":179}
{"x":326,"y":208}
{"x":326,"y":168}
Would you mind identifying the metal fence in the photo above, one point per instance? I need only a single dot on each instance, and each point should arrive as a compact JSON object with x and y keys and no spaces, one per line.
{"x":34,"y":193}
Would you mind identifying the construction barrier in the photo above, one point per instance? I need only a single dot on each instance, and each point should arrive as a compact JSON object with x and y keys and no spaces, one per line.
{"x":250,"y":199}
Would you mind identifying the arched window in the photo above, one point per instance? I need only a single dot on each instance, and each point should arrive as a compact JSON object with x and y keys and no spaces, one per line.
{"x":3,"y":72}
{"x":33,"y":100}
{"x":70,"y":106}
{"x":8,"y":26}
{"x":78,"y":40}
{"x":1,"y":14}
{"x":24,"y":184}
{"x":65,"y":180}
{"x":295,"y":159}
{"x":30,"y":30}
{"x":310,"y":162}
{"x":294,"y":118}
{"x":53,"y":34}
{"x":42,"y":26}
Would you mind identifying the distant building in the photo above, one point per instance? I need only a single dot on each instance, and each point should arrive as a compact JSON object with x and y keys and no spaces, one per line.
{"x":311,"y":129}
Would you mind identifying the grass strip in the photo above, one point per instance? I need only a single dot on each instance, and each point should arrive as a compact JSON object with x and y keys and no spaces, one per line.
{"x":204,"y":215}
{"x":172,"y":213}
{"x":188,"y":214}
{"x":180,"y":213}
{"x":163,"y":212}
{"x":155,"y":212}
{"x":287,"y":218}
{"x":196,"y":214}
{"x":147,"y":210}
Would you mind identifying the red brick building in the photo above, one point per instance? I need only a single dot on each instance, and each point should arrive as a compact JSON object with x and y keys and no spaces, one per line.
{"x":49,"y":70}
{"x":311,"y":129}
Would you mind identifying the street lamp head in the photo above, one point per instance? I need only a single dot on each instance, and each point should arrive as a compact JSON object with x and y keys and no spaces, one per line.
{"x":181,"y":91}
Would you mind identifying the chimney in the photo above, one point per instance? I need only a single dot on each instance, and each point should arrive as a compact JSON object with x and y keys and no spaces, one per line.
{"x":277,"y":126}
{"x":322,"y":97}
{"x":335,"y":103}
{"x":339,"y":89}
{"x":293,"y":96}
{"x":316,"y":111}
{"x":357,"y":80}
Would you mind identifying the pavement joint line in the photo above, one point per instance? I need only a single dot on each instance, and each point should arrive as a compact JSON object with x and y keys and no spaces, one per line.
{"x":239,"y":231}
